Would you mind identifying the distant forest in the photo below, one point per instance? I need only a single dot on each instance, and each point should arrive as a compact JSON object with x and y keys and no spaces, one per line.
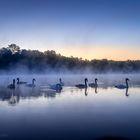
{"x":13,"y":59}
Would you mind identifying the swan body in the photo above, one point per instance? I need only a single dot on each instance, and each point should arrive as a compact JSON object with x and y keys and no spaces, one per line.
{"x":122,"y":86}
{"x":12,"y":86}
{"x":57,"y":87}
{"x":20,"y":82}
{"x":94,"y":84}
{"x":83,"y":85}
{"x":31,"y":85}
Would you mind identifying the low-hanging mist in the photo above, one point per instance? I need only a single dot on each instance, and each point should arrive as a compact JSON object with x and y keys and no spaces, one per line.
{"x":14,"y":60}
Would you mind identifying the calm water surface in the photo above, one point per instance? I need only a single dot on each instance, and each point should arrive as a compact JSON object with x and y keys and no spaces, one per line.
{"x":39,"y":113}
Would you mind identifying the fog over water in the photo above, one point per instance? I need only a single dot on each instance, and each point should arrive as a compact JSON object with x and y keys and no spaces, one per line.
{"x":41,"y":113}
{"x":73,"y":79}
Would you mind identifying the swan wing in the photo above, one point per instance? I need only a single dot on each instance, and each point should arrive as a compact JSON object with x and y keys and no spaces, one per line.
{"x":80,"y":86}
{"x":92,"y":84}
{"x":120,"y":86}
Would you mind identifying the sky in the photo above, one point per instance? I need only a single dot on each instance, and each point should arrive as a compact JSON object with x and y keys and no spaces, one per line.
{"x":90,"y":29}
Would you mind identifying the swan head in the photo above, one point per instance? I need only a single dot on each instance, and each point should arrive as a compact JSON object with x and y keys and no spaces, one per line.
{"x":33,"y":79}
{"x":86,"y":80}
{"x":60,"y":79}
{"x":14,"y":81}
{"x":127,"y":79}
{"x":96,"y":79}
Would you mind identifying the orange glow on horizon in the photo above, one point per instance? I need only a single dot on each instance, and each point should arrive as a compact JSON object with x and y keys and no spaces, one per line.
{"x":116,"y":52}
{"x":109,"y":53}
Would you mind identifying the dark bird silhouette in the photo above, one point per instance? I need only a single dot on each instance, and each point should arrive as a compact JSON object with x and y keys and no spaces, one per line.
{"x":83,"y":85}
{"x":60,"y":81}
{"x":32,"y":84}
{"x":93,"y":84}
{"x":12,"y":86}
{"x":20,"y":82}
{"x":123,"y":86}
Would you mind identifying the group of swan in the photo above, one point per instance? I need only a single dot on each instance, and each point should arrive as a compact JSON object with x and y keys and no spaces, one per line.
{"x":85,"y":85}
{"x":13,"y":85}
{"x":59,"y":86}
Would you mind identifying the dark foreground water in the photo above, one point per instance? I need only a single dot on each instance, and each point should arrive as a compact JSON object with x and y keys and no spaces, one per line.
{"x":39,"y":113}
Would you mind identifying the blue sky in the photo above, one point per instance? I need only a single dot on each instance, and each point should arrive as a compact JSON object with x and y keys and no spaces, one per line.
{"x":102,"y":28}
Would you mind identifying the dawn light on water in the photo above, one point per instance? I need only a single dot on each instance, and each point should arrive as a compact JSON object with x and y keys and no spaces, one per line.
{"x":69,"y":69}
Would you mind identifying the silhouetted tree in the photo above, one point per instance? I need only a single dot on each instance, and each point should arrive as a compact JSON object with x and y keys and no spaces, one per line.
{"x":13,"y":57}
{"x":14,"y":48}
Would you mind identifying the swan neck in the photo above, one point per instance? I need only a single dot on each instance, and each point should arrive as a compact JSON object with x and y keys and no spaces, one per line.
{"x":13,"y":82}
{"x":127,"y":84}
{"x":86,"y":83}
{"x":95,"y":82}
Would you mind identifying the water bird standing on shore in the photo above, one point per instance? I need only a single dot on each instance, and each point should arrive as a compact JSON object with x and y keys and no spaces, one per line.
{"x":93,"y":84}
{"x":20,"y":82}
{"x":122,"y":86}
{"x":33,"y":83}
{"x":83,"y":85}
{"x":12,"y":86}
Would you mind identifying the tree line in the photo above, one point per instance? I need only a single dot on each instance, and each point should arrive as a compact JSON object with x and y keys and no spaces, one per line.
{"x":14,"y":58}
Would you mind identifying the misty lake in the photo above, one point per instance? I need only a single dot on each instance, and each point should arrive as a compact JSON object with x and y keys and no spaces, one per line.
{"x":40,"y":113}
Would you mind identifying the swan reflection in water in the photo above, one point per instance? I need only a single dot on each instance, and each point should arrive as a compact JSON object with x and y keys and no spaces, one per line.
{"x":14,"y":97}
{"x":86,"y":93}
{"x":49,"y":93}
{"x":126,"y":92}
{"x":96,"y":91}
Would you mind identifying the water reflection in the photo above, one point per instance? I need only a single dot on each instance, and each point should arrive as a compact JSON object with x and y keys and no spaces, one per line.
{"x":126,"y":93}
{"x":86,"y":92}
{"x":13,"y":96}
{"x":96,"y":91}
{"x":42,"y":113}
{"x":49,"y":93}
